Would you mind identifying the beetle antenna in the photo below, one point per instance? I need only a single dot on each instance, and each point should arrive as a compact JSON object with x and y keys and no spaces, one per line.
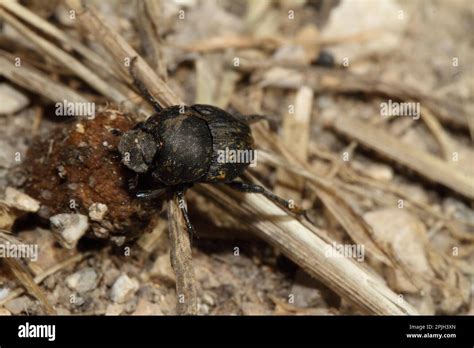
{"x":141,"y":87}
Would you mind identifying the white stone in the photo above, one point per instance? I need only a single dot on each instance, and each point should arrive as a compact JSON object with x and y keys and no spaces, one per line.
{"x":84,"y":280}
{"x":12,"y":100}
{"x":21,"y":201}
{"x":69,"y":228}
{"x":123,"y":289}
{"x":97,"y":211}
{"x":381,"y":21}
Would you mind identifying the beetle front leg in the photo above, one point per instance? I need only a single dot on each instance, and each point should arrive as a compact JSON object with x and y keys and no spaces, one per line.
{"x":116,"y":132}
{"x":150,"y":194}
{"x":254,"y":188}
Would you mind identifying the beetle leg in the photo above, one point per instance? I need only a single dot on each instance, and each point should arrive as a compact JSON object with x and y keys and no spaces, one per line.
{"x":184,"y":210}
{"x":132,"y":183}
{"x":141,"y":87}
{"x":150,"y":194}
{"x":115,"y":154}
{"x":116,"y":132}
{"x":256,"y":118}
{"x":254,"y":188}
{"x":252,"y":118}
{"x":140,"y":126}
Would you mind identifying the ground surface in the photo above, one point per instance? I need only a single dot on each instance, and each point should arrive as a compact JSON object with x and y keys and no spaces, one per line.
{"x":237,"y":273}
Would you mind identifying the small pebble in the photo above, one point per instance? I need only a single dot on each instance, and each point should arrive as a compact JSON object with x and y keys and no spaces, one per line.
{"x":63,"y":311}
{"x":18,"y":305}
{"x":69,"y":228}
{"x":72,"y":186}
{"x":97,"y":211}
{"x":114,"y":309}
{"x":46,"y":194}
{"x":80,"y":128}
{"x":123,"y":289}
{"x":4,"y":293}
{"x":12,"y":100}
{"x":162,"y":269}
{"x":208,"y":299}
{"x":145,"y":307}
{"x":376,"y":171}
{"x":61,"y":171}
{"x":84,"y":280}
{"x":21,"y":201}
{"x":4,"y":311}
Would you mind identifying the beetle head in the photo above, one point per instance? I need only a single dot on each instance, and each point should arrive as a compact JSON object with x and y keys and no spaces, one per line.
{"x":138,"y":148}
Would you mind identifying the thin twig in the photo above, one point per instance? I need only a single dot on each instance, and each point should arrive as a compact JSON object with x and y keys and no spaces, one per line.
{"x":181,"y":261}
{"x":66,"y":59}
{"x":39,"y":278}
{"x":122,"y":51}
{"x":300,"y":242}
{"x":422,"y":162}
{"x":37,"y":82}
{"x":43,"y":25}
{"x":22,"y":273}
{"x":439,"y":134}
{"x":323,"y":80}
{"x":150,"y":14}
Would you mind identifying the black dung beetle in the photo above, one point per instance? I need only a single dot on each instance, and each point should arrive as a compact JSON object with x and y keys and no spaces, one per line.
{"x":182,"y":145}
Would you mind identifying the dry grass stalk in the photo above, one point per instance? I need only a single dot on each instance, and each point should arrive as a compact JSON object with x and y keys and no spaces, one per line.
{"x":46,"y":27}
{"x":423,"y":163}
{"x":39,"y":278}
{"x":323,"y":80}
{"x":439,"y":134}
{"x":151,"y":13}
{"x":339,"y":81}
{"x":37,"y":82}
{"x":361,"y":188}
{"x":300,"y":242}
{"x":67,"y":60}
{"x":122,"y":52}
{"x":296,"y":129}
{"x":22,"y":274}
{"x":269,"y":42}
{"x":148,"y":242}
{"x":181,"y":260}
{"x":334,"y":201}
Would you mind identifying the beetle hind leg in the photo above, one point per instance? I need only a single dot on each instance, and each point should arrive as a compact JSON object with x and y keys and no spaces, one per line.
{"x":254,"y":188}
{"x":254,"y":118}
{"x":257,"y":118}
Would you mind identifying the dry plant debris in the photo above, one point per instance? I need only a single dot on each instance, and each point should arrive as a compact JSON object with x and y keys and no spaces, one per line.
{"x":377,"y":147}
